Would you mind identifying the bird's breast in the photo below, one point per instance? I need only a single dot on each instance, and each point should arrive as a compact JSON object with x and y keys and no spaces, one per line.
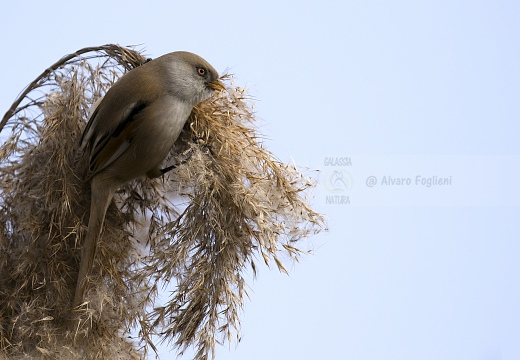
{"x":160,"y":125}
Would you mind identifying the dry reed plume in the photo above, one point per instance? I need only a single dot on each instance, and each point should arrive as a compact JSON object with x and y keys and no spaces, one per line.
{"x":227,"y":202}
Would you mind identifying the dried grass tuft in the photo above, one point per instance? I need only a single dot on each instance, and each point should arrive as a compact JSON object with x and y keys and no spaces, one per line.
{"x":201,"y":227}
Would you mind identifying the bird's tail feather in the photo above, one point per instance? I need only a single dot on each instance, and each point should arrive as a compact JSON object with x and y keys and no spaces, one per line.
{"x":101,"y":196}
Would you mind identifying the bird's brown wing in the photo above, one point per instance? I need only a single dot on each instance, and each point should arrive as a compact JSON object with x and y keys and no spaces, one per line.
{"x":107,"y":134}
{"x":108,"y":145}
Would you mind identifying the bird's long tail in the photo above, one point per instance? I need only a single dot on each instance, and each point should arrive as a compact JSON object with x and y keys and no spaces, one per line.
{"x":101,"y":196}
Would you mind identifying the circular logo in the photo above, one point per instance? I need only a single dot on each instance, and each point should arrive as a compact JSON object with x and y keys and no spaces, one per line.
{"x":338,"y":181}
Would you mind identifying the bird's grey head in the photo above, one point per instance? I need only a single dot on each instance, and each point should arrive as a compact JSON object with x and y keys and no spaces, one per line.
{"x":189,"y":77}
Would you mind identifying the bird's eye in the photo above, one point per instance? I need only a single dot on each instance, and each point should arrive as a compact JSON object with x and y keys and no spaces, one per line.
{"x":201,"y":71}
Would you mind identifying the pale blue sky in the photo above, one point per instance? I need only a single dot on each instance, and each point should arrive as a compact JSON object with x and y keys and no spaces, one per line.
{"x":402,"y":89}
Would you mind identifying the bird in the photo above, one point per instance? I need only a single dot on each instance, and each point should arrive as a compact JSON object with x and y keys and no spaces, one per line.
{"x":131,"y":131}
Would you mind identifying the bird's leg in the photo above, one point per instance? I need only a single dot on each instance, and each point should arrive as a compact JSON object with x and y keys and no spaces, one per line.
{"x":102,"y":194}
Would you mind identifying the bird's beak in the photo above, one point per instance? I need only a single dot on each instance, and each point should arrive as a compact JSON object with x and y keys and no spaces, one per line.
{"x":217,"y":85}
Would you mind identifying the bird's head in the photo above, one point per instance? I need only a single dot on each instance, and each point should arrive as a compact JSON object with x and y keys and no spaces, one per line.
{"x":189,"y":77}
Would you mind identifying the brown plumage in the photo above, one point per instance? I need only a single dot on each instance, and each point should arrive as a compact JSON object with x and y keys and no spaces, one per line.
{"x":132,"y":129}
